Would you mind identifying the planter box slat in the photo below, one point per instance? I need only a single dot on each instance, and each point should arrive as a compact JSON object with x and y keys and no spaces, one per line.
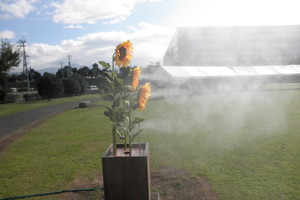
{"x":127,"y":177}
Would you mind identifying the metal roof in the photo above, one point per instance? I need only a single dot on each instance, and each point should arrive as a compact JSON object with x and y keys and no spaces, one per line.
{"x":234,"y":51}
{"x":215,"y":71}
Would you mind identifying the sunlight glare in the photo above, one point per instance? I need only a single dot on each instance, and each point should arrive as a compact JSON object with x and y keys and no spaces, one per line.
{"x":237,"y":12}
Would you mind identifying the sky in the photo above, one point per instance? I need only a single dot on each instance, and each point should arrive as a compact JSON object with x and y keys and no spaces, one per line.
{"x":90,"y":30}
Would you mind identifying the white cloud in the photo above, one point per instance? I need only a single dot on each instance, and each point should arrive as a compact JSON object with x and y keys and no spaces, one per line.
{"x":7,"y":34}
{"x":149,"y":43}
{"x":116,"y":20}
{"x":92,"y":11}
{"x":78,"y":11}
{"x":16,"y":8}
{"x":44,"y":55}
{"x":4,"y":16}
{"x":73,"y":27}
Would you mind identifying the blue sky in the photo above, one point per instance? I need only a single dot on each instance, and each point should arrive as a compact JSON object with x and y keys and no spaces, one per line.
{"x":89,"y":30}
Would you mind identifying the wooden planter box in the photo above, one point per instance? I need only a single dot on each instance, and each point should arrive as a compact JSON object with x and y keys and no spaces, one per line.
{"x":127,"y":177}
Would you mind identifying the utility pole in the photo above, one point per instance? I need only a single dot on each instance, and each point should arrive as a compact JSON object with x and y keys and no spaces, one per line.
{"x":22,"y":44}
{"x":62,"y":71}
{"x":69,"y":64}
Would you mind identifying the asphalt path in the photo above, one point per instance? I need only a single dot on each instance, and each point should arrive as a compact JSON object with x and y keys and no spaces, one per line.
{"x":9,"y":124}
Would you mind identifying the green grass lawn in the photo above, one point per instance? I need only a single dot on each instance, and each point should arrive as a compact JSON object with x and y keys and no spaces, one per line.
{"x":282,"y":86}
{"x":6,"y":109}
{"x":245,"y":144}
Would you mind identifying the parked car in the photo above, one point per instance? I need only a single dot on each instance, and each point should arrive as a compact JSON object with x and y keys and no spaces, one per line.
{"x":13,"y":89}
{"x":92,"y":88}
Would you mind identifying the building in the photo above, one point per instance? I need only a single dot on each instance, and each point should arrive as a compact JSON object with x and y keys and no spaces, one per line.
{"x":235,"y":55}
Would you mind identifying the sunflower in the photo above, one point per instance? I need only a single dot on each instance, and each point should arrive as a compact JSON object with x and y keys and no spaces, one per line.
{"x":135,"y":77}
{"x":144,"y":95}
{"x":123,"y":54}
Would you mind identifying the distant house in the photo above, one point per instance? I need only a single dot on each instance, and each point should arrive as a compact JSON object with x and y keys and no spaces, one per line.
{"x":235,"y":52}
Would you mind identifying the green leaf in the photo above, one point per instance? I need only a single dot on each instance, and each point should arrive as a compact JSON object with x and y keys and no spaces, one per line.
{"x":105,"y":106}
{"x":107,"y":97}
{"x":135,"y":134}
{"x":107,"y":73}
{"x":104,"y":64}
{"x":127,"y":104}
{"x":126,"y":96}
{"x":107,"y":113}
{"x":135,"y":106}
{"x":116,"y":102}
{"x":121,"y":127}
{"x":110,"y":82}
{"x":122,"y":137}
{"x":119,"y":116}
{"x":119,"y":81}
{"x":132,"y":126}
{"x":137,"y":120}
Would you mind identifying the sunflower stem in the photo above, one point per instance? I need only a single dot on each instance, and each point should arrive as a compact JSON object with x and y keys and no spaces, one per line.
{"x":130,"y":123}
{"x":114,"y":129}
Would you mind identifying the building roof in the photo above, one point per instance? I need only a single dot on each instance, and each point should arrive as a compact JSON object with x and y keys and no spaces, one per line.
{"x":234,"y":50}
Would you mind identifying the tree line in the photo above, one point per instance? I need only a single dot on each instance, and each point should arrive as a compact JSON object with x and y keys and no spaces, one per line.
{"x":70,"y":81}
{"x":67,"y":81}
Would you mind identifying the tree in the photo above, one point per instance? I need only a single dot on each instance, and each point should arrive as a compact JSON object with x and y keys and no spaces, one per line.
{"x":81,"y":81}
{"x":84,"y":71}
{"x":8,"y":59}
{"x":65,"y":72}
{"x":15,"y":81}
{"x":34,"y":75}
{"x":74,"y":70}
{"x":95,"y":71}
{"x":71,"y":86}
{"x":48,"y":86}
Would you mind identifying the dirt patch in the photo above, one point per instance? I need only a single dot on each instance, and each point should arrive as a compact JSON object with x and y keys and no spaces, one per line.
{"x":170,"y":183}
{"x":174,"y":184}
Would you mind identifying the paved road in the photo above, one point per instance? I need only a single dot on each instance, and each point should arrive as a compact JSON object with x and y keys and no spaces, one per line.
{"x":11,"y":123}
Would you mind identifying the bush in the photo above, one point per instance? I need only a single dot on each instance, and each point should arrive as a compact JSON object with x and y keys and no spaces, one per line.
{"x":31,"y":97}
{"x":3,"y":94}
{"x":11,"y":98}
{"x":71,"y":86}
{"x":48,"y":87}
{"x":93,"y":92}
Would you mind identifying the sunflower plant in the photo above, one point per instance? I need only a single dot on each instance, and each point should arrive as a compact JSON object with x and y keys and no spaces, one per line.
{"x":125,"y":95}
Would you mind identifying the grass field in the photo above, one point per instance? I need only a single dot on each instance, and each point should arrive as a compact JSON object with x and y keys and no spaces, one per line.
{"x":6,"y":109}
{"x":282,"y":86}
{"x":245,"y":144}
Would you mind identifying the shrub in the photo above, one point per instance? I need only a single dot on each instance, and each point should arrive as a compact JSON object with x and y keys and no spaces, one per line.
{"x":71,"y":86}
{"x":3,"y":94}
{"x":31,"y":97}
{"x":11,"y":98}
{"x":48,"y":87}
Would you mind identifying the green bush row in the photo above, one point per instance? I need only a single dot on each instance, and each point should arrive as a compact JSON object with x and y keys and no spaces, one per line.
{"x":31,"y":97}
{"x":11,"y":98}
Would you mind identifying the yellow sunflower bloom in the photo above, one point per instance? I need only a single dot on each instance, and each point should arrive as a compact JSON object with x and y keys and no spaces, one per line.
{"x":144,"y":95}
{"x":123,"y":54}
{"x":135,"y":78}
